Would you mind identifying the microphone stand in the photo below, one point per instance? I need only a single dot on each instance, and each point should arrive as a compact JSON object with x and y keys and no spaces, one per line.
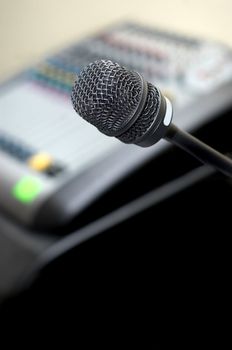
{"x":199,"y":149}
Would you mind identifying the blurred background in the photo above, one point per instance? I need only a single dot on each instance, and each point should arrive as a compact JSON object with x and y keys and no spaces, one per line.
{"x":31,"y":29}
{"x":34,"y":118}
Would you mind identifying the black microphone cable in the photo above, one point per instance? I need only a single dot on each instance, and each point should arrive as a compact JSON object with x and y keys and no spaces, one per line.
{"x":199,"y":149}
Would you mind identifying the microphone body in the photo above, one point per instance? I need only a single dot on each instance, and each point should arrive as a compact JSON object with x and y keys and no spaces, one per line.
{"x":120,"y":103}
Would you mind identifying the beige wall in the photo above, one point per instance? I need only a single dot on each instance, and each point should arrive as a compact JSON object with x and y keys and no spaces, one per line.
{"x":30,"y":29}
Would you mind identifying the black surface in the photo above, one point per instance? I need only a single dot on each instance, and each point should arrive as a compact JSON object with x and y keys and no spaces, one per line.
{"x":174,"y":255}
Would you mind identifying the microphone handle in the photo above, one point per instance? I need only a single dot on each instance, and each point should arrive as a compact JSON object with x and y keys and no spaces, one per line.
{"x":199,"y":149}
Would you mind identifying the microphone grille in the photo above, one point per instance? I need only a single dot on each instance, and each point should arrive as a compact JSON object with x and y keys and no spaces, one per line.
{"x":107,"y":96}
{"x":144,"y":121}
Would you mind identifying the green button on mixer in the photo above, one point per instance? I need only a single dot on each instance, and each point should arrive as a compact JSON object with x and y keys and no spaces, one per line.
{"x":27,"y":189}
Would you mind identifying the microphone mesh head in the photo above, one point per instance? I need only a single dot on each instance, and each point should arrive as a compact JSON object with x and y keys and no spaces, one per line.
{"x":107,"y":96}
{"x":146,"y":118}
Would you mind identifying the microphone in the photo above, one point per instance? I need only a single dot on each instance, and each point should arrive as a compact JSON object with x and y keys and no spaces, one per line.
{"x":120,"y":103}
